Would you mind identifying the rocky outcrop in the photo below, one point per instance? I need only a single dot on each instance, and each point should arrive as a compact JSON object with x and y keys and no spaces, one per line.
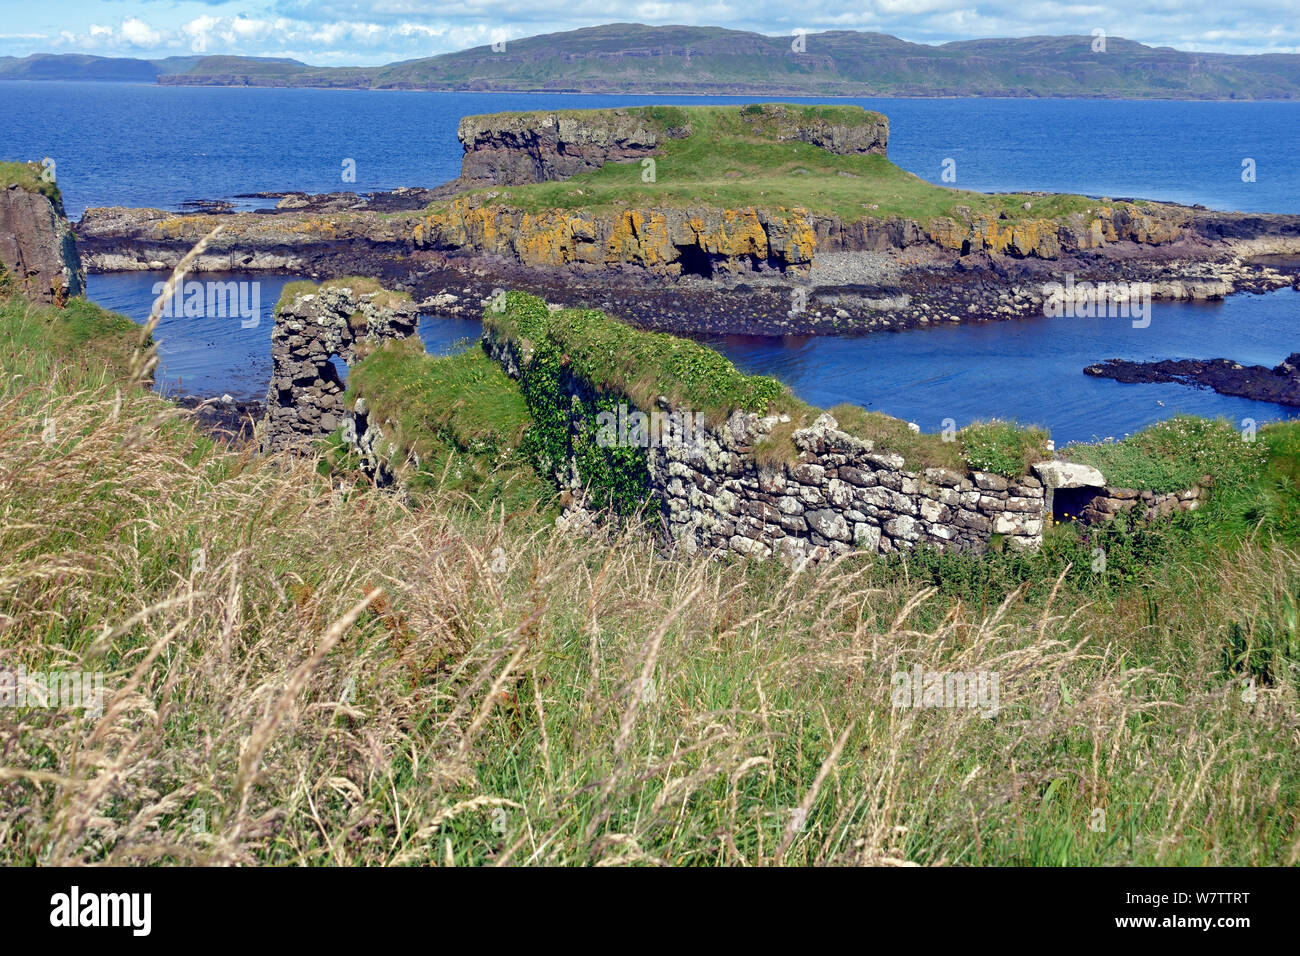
{"x":1280,"y":384}
{"x":1144,"y":223}
{"x":669,"y":241}
{"x":776,"y":121}
{"x":118,"y":239}
{"x":38,"y":250}
{"x":305,"y":399}
{"x":509,"y":149}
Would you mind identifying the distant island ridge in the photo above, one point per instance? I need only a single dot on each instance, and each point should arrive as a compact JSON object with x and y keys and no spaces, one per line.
{"x":638,"y":59}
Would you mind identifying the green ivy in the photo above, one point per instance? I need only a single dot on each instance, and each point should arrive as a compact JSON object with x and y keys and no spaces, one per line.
{"x":564,"y":427}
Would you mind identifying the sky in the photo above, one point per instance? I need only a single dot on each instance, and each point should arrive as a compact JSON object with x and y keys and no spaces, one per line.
{"x":372,"y":32}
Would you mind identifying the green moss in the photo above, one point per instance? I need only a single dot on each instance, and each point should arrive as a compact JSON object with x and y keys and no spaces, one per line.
{"x":613,"y":356}
{"x":596,"y":349}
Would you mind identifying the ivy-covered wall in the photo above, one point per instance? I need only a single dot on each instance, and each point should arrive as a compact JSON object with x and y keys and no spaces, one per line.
{"x":563,"y":439}
{"x":701,"y":473}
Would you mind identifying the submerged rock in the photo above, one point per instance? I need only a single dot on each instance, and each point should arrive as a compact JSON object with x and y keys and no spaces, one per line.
{"x":1280,"y":384}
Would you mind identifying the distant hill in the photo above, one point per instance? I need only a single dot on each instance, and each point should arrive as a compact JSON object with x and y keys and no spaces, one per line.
{"x":76,"y":66}
{"x":80,"y":66}
{"x":633,"y":58}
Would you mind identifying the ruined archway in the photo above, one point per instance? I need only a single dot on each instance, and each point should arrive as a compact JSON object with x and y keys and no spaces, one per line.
{"x":342,"y":319}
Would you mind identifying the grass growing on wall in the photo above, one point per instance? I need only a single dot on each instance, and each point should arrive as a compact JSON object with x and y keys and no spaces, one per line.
{"x":460,"y":416}
{"x":360,"y":285}
{"x":1003,"y":448}
{"x":1172,"y":455}
{"x":613,"y":357}
{"x":566,"y":427}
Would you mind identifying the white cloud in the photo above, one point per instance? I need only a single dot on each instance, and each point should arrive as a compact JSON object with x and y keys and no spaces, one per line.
{"x":368,"y":32}
{"x":138,"y":33}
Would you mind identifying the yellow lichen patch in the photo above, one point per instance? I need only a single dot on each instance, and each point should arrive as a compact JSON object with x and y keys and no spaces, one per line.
{"x":175,"y":227}
{"x":1034,"y":237}
{"x":639,"y":236}
{"x":1105,"y":222}
{"x":1018,"y":237}
{"x":947,"y":233}
{"x":803,"y":238}
{"x":546,"y":240}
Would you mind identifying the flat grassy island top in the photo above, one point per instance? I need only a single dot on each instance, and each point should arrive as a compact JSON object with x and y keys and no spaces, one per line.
{"x":735,"y":156}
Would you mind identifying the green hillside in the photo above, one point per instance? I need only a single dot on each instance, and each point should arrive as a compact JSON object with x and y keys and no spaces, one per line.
{"x":634,"y":58}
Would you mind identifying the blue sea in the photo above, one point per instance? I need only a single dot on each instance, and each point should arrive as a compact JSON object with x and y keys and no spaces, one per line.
{"x":143,"y":145}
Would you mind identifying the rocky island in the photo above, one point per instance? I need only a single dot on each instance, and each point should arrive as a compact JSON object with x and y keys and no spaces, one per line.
{"x":768,"y":218}
{"x":1280,"y":384}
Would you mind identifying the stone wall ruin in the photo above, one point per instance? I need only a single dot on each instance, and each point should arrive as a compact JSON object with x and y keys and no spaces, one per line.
{"x":304,"y":401}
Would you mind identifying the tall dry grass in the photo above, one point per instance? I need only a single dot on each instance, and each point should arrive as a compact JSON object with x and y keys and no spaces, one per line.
{"x":299,"y":673}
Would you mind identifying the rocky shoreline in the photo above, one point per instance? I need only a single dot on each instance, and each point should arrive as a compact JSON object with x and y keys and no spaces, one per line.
{"x":223,"y":417}
{"x":843,"y":293}
{"x":706,"y":270}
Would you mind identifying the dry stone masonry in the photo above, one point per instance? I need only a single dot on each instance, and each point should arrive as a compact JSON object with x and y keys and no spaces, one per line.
{"x":841,"y":494}
{"x":305,"y":399}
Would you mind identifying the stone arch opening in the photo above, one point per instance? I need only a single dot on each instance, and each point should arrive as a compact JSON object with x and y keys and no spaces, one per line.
{"x":1068,"y":504}
{"x":313,"y":344}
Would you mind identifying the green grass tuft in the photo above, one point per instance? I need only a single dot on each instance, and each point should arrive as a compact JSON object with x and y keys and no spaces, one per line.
{"x":460,"y":417}
{"x":1172,"y":455}
{"x":29,"y":176}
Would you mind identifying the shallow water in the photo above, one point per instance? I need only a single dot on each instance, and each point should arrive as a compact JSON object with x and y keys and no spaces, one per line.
{"x":1030,"y":370}
{"x":136,"y":144}
{"x":215,"y":356}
